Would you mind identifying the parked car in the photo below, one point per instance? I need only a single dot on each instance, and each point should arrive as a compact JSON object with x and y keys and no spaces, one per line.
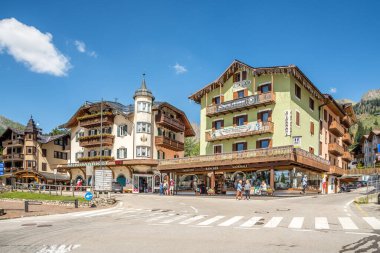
{"x":351,"y":186}
{"x":117,"y":187}
{"x":361,"y":183}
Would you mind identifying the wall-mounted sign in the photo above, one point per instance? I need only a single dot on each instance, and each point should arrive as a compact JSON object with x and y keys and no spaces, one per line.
{"x":74,"y":165}
{"x":240,"y":166}
{"x":288,"y":122}
{"x":297,"y":141}
{"x":241,"y":85}
{"x":253,"y":126}
{"x":1,"y":169}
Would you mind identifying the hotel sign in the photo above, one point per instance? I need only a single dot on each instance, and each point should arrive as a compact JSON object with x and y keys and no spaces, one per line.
{"x":251,"y":100}
{"x":241,"y":85}
{"x":253,"y":126}
{"x":288,"y":122}
{"x":77,"y":165}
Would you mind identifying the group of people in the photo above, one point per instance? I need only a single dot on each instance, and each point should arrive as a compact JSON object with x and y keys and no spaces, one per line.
{"x":167,"y":188}
{"x":246,"y":187}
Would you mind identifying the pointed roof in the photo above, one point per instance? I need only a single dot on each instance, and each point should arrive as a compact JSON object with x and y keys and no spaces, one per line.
{"x":31,"y":126}
{"x":143,"y":91}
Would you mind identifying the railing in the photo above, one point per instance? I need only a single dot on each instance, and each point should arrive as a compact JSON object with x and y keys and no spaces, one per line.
{"x":58,"y":189}
{"x":14,"y":169}
{"x":347,"y":121}
{"x":236,"y":104}
{"x":12,"y":143}
{"x":88,"y":122}
{"x":169,"y":143}
{"x":252,"y":128}
{"x":336,"y":128}
{"x":337,"y":170}
{"x":13,"y":157}
{"x":170,"y":123}
{"x":336,"y":149}
{"x":347,"y":156}
{"x":94,"y":140}
{"x":367,"y":171}
{"x":347,"y":138}
{"x":95,"y":158}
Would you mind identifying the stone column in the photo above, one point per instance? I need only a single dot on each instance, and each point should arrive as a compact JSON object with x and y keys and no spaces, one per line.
{"x":272,"y":177}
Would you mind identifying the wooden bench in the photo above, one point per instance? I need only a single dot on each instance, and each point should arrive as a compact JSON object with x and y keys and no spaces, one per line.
{"x":27,"y":203}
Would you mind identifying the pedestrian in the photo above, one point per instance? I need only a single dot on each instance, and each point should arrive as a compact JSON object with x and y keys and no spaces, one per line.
{"x":263,"y":187}
{"x":304,"y":184}
{"x":195,"y":186}
{"x":324,"y":188}
{"x":161,"y":189}
{"x":165,"y":187}
{"x":171,"y":186}
{"x":247,"y":189}
{"x":239,"y":189}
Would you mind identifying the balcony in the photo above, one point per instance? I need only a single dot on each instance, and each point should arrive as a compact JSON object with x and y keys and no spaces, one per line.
{"x":13,"y":157}
{"x":347,"y":121}
{"x":335,"y":170}
{"x":347,"y":156}
{"x":336,"y":129}
{"x":347,"y":138}
{"x":170,"y":123}
{"x":93,"y":120}
{"x":240,"y":104}
{"x":12,"y":170}
{"x":95,"y":158}
{"x":96,"y":140}
{"x":253,"y":128}
{"x":336,"y":149}
{"x":168,"y":143}
{"x":17,"y":142}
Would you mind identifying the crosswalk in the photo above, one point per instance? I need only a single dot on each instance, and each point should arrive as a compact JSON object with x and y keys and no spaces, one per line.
{"x":166,"y":217}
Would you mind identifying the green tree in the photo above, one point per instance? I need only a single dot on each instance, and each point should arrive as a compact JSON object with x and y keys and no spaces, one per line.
{"x":360,"y":132}
{"x":57,"y":131}
{"x":191,"y":146}
{"x":376,"y":123}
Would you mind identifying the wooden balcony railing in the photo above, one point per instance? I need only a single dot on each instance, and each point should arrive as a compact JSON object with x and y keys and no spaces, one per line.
{"x":12,"y":170}
{"x":17,"y":142}
{"x":13,"y":157}
{"x":170,"y":123}
{"x":93,"y":120}
{"x":336,"y":129}
{"x":366,"y":171}
{"x":240,"y":104}
{"x":286,"y":153}
{"x":347,"y":138}
{"x":347,"y":156}
{"x":95,"y":140}
{"x":95,"y":158}
{"x":253,"y":128}
{"x":335,"y":170}
{"x":168,"y":143}
{"x":336,"y":149}
{"x":347,"y":121}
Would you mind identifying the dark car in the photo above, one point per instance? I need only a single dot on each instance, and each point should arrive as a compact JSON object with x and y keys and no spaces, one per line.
{"x":351,"y":186}
{"x":117,"y":187}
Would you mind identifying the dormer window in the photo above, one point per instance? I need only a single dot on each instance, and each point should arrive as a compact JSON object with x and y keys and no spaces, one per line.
{"x":240,"y":76}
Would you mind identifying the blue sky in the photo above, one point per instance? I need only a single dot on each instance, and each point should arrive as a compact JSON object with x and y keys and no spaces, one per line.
{"x":99,"y":49}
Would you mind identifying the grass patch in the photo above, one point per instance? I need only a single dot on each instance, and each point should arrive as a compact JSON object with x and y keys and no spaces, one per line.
{"x":37,"y":196}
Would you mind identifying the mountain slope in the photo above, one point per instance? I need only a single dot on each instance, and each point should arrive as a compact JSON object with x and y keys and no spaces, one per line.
{"x":5,"y":122}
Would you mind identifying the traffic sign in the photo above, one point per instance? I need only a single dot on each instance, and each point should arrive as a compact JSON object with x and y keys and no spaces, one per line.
{"x":88,"y":196}
{"x":1,"y":169}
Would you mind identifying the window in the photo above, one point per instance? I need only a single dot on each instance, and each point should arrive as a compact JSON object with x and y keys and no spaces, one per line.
{"x":92,"y":153}
{"x":122,"y":130}
{"x":78,"y":155}
{"x":216,"y":100}
{"x":176,"y":156}
{"x":218,"y":124}
{"x":264,"y":116}
{"x":240,"y":146}
{"x":58,"y":142}
{"x":311,"y":150}
{"x":161,"y":155}
{"x":297,"y":118}
{"x":240,"y":94}
{"x":142,"y":151}
{"x":44,"y":152}
{"x":218,"y":149}
{"x":240,"y":120}
{"x":121,"y":153}
{"x":78,"y":135}
{"x":30,"y":164}
{"x":106,"y":152}
{"x":325,"y":115}
{"x":143,"y":127}
{"x":30,"y":150}
{"x":265,"y":88}
{"x":297,"y":91}
{"x":159,"y":131}
{"x":92,"y":132}
{"x":297,"y":140}
{"x":311,"y":104}
{"x":44,"y":166}
{"x":312,"y":128}
{"x":320,"y":127}
{"x":143,"y":106}
{"x":107,"y":130}
{"x":326,"y":137}
{"x":263,"y":143}
{"x":60,"y":155}
{"x":240,"y":76}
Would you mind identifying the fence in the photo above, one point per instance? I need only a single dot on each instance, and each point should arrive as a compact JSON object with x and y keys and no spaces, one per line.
{"x":66,"y":190}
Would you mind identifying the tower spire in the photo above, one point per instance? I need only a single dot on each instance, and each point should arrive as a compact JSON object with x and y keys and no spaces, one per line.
{"x":143,"y":91}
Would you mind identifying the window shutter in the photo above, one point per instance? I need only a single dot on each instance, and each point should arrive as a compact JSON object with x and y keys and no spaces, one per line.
{"x":270,"y":116}
{"x":259,"y":91}
{"x":118,"y":153}
{"x":270,"y":87}
{"x":234,"y":121}
{"x":245,"y":119}
{"x":257,"y":144}
{"x":222,"y":123}
{"x":213,"y":125}
{"x":235,"y":96}
{"x":213,"y":101}
{"x":118,"y":131}
{"x":234,"y":147}
{"x":245,"y":145}
{"x":221,"y":98}
{"x":163,"y":155}
{"x":125,"y":153}
{"x":244,"y":77}
{"x":245,"y":92}
{"x":270,"y":143}
{"x":158,"y":154}
{"x":312,"y":128}
{"x":259,"y":117}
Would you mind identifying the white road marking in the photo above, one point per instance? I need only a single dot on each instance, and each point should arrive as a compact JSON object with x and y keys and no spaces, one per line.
{"x":347,"y":223}
{"x":230,"y":221}
{"x":373,"y":222}
{"x":296,"y":222}
{"x":159,"y":217}
{"x":356,"y":233}
{"x":251,"y":222}
{"x":58,"y":248}
{"x":195,"y":210}
{"x":88,"y":212}
{"x":180,"y":217}
{"x":103,"y":213}
{"x":193,"y":219}
{"x":272,"y":223}
{"x":321,"y":223}
{"x":212,"y":220}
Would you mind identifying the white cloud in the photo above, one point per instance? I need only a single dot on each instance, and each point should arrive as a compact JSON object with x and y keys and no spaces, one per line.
{"x":179,"y":69}
{"x":33,"y":48}
{"x":332,"y":90}
{"x":81,"y":47}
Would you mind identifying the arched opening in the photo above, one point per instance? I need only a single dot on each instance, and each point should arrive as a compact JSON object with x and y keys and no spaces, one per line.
{"x":121,"y":179}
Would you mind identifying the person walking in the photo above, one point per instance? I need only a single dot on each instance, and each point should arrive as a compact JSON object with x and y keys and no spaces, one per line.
{"x":324,"y":182}
{"x":161,"y":189}
{"x":171,"y":186}
{"x":239,"y":189}
{"x":247,"y":189}
{"x":304,"y":184}
{"x":165,"y":187}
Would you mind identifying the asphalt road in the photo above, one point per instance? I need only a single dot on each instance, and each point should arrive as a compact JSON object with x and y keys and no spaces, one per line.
{"x":151,"y":223}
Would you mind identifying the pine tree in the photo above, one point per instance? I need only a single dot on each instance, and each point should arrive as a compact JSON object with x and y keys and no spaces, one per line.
{"x":376,"y":123}
{"x":360,"y":132}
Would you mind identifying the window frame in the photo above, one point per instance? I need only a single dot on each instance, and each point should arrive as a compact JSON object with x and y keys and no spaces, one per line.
{"x":296,"y":89}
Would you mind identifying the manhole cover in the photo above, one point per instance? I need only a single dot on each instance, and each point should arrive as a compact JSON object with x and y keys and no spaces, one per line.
{"x":259,"y":223}
{"x":155,"y":210}
{"x":164,"y":211}
{"x":45,"y":225}
{"x":29,"y":224}
{"x":283,"y":209}
{"x":261,"y":212}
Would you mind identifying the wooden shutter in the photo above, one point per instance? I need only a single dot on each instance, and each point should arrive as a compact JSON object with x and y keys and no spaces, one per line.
{"x":213,"y":101}
{"x":245,"y":92}
{"x":118,"y":131}
{"x":234,"y":147}
{"x":312,"y":128}
{"x":259,"y":117}
{"x":270,"y":116}
{"x":125,"y":153}
{"x":297,"y":118}
{"x":244,"y":75}
{"x":234,"y":121}
{"x":235,"y":95}
{"x":259,"y":91}
{"x":222,"y":124}
{"x":257,"y":144}
{"x":245,"y":119}
{"x":221,"y":98}
{"x":245,"y":146}
{"x":270,"y":143}
{"x":213,"y":125}
{"x":118,"y":153}
{"x":270,"y":86}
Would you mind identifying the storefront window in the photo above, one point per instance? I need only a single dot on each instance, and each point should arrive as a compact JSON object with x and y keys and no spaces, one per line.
{"x":188,"y":182}
{"x":282,"y":179}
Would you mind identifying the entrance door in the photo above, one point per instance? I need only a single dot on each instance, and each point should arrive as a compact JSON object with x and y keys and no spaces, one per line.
{"x":143,"y":184}
{"x":135,"y":183}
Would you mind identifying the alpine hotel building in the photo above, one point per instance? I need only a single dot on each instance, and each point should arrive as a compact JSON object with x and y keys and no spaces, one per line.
{"x":267,"y":123}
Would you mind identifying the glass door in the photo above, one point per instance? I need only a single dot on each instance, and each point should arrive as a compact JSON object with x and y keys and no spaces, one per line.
{"x":135,"y":183}
{"x":150,"y":183}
